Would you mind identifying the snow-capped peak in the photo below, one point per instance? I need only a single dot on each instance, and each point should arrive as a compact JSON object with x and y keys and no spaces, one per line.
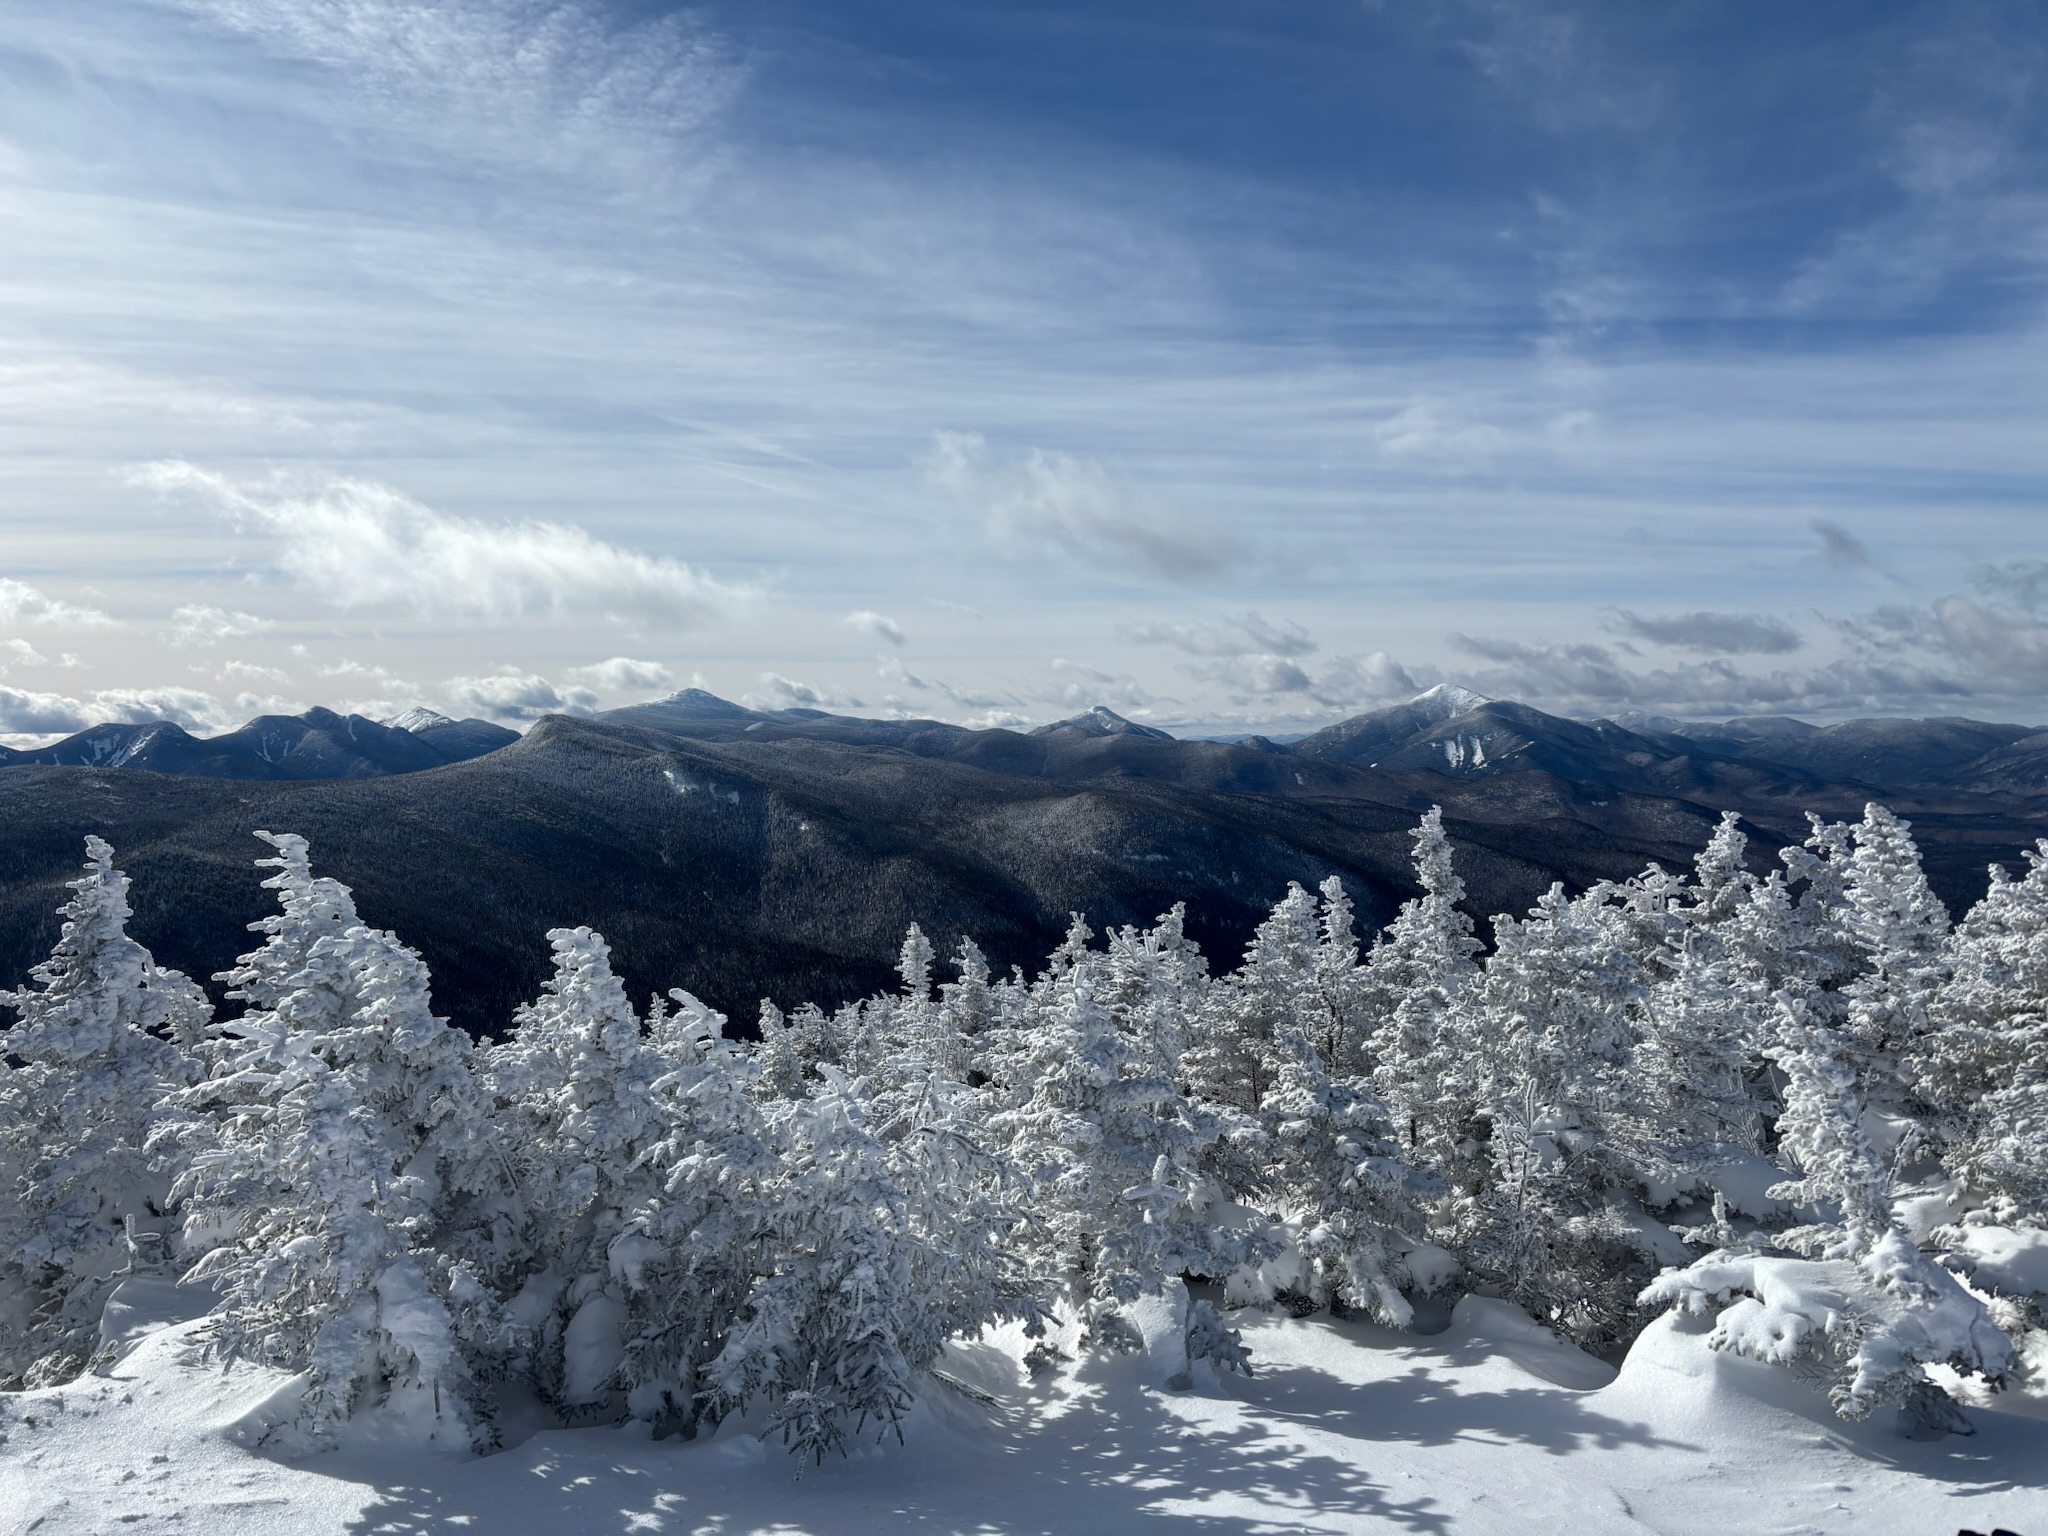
{"x":418,"y":718}
{"x":1448,"y":699}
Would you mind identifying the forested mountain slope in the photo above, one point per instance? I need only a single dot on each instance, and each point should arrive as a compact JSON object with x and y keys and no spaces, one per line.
{"x":745,"y":856}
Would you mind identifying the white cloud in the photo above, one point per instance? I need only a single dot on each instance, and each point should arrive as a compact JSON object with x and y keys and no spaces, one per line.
{"x":779,"y":692}
{"x":21,"y":603}
{"x":202,"y":624}
{"x":1045,"y":502}
{"x":250,"y":671}
{"x":26,"y":655}
{"x":525,"y":85}
{"x":1245,"y":635}
{"x":893,"y":671}
{"x":620,"y":674}
{"x":880,"y":625}
{"x":40,"y":714}
{"x":1438,"y":432}
{"x":358,"y":544}
{"x":512,"y":694}
{"x":1088,"y":686}
{"x":44,"y":714}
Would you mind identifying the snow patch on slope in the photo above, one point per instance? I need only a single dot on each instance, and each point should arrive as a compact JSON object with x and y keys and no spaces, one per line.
{"x":1490,"y":1426}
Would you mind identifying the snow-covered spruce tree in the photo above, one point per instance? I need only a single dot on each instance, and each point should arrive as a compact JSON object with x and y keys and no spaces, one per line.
{"x":572,"y":1087}
{"x":346,"y":1169}
{"x":1155,"y":981}
{"x":1425,"y":1068}
{"x":1233,"y":1057}
{"x":1336,"y":1172}
{"x":1701,"y":1099}
{"x":1863,"y":1302}
{"x":1981,"y":1068}
{"x":1552,"y":1226}
{"x":690,"y":1254}
{"x":1113,"y":1152}
{"x":98,"y":1036}
{"x":868,"y":1274}
{"x":1901,"y":930}
{"x":1819,"y":948}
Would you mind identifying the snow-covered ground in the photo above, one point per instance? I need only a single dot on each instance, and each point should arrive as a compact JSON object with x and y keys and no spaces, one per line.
{"x":1489,"y":1426}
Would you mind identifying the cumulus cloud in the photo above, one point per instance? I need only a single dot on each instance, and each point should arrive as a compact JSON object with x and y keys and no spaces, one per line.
{"x":32,"y":714}
{"x":1583,"y":678}
{"x":358,"y":544}
{"x":202,"y":624}
{"x":21,"y":603}
{"x":618,"y":674}
{"x":1259,"y":676}
{"x":23,"y":654}
{"x":231,"y":671}
{"x":40,"y":714}
{"x":779,"y":692}
{"x":1053,"y":502}
{"x":1085,"y":686}
{"x":893,"y":671}
{"x":513,"y":694}
{"x":1720,"y":634}
{"x":1839,"y":547}
{"x":1286,"y":685}
{"x":880,"y":625}
{"x":1244,"y":635}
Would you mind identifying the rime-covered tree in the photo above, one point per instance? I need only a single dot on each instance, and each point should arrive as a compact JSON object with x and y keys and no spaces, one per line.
{"x":573,"y":1087}
{"x":1981,"y":1067}
{"x":1550,"y":1224}
{"x":864,"y":1280}
{"x":1086,"y":1123}
{"x":98,"y":1035}
{"x":1336,"y":1171}
{"x":689,"y":1255}
{"x":1862,"y":1301}
{"x":1426,"y":1069}
{"x":347,"y":1167}
{"x":1901,"y":930}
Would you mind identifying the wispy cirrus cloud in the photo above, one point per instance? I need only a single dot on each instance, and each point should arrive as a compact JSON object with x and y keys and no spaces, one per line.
{"x":519,"y":83}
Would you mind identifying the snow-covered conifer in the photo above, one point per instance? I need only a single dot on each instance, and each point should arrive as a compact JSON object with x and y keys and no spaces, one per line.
{"x":1425,"y":1067}
{"x":348,"y":1167}
{"x":1863,"y":1301}
{"x":574,"y":1105}
{"x":1981,"y":1067}
{"x":1338,"y":1176}
{"x":689,"y":1255}
{"x":97,"y":1035}
{"x":1901,"y":930}
{"x":1552,"y":1225}
{"x":1084,"y":1121}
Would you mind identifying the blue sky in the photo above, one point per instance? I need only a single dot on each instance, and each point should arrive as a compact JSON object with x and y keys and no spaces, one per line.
{"x":1235,"y":365}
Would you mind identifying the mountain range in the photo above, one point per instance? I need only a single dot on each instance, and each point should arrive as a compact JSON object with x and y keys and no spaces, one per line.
{"x":746,"y":853}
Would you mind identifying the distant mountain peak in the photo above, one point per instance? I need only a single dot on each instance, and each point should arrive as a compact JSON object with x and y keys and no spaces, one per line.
{"x":702,"y":705}
{"x":418,"y":718}
{"x":1447,"y":699}
{"x":1100,"y":721}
